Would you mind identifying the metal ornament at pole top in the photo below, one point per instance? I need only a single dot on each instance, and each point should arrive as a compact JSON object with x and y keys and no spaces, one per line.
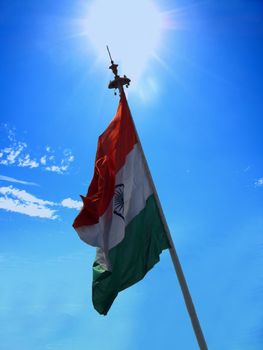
{"x":118,"y":81}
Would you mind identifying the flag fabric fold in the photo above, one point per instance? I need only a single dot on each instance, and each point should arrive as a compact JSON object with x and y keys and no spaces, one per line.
{"x":120,"y":215}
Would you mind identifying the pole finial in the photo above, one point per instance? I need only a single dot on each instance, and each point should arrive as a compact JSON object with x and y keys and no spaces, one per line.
{"x":118,"y":81}
{"x":109,"y":54}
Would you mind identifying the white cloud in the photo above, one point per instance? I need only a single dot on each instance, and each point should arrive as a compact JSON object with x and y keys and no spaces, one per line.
{"x":71,"y":203}
{"x":17,"y":154}
{"x":259,"y":182}
{"x":20,"y":201}
{"x":57,"y":169}
{"x":11,"y":179}
{"x":65,"y":162}
{"x":9,"y":155}
{"x":27,"y":162}
{"x":43,"y":160}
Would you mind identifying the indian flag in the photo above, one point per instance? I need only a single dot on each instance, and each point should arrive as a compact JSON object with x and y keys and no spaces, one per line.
{"x":120,"y":215}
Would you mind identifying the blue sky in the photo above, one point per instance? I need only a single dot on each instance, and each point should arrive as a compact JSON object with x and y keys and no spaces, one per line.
{"x":197,"y":104}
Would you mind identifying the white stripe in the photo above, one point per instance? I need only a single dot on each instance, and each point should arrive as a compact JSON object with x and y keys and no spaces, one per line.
{"x":110,"y":229}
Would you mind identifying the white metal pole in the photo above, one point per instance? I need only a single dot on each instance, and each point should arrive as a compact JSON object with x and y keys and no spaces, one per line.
{"x":176,"y":262}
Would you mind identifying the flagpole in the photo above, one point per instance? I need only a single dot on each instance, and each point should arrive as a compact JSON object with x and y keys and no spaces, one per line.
{"x":118,"y":83}
{"x":176,"y":262}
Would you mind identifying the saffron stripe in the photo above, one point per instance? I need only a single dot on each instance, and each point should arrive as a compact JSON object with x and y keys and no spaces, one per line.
{"x":113,"y":146}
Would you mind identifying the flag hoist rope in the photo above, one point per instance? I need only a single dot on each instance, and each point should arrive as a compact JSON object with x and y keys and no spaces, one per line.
{"x":118,"y":83}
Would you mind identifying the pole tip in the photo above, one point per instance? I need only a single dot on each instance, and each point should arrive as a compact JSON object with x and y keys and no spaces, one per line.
{"x":118,"y":81}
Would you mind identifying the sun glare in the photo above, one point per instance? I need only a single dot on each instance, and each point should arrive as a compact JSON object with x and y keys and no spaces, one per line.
{"x":131,"y":28}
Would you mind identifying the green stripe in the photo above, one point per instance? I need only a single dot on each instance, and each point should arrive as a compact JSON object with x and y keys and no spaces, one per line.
{"x":132,"y":258}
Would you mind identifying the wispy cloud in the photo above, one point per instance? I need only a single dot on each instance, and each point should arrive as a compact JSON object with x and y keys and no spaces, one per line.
{"x":10,"y":155}
{"x":71,"y":203}
{"x":20,"y":201}
{"x":17,"y":153}
{"x":49,"y":161}
{"x":26,"y":161}
{"x":11,"y":179}
{"x":247,"y":169}
{"x":259,"y":182}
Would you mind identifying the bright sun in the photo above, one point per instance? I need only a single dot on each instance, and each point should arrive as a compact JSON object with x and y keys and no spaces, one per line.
{"x":131,"y":28}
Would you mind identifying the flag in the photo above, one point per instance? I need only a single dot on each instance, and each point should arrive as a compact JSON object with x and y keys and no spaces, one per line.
{"x":120,"y":215}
